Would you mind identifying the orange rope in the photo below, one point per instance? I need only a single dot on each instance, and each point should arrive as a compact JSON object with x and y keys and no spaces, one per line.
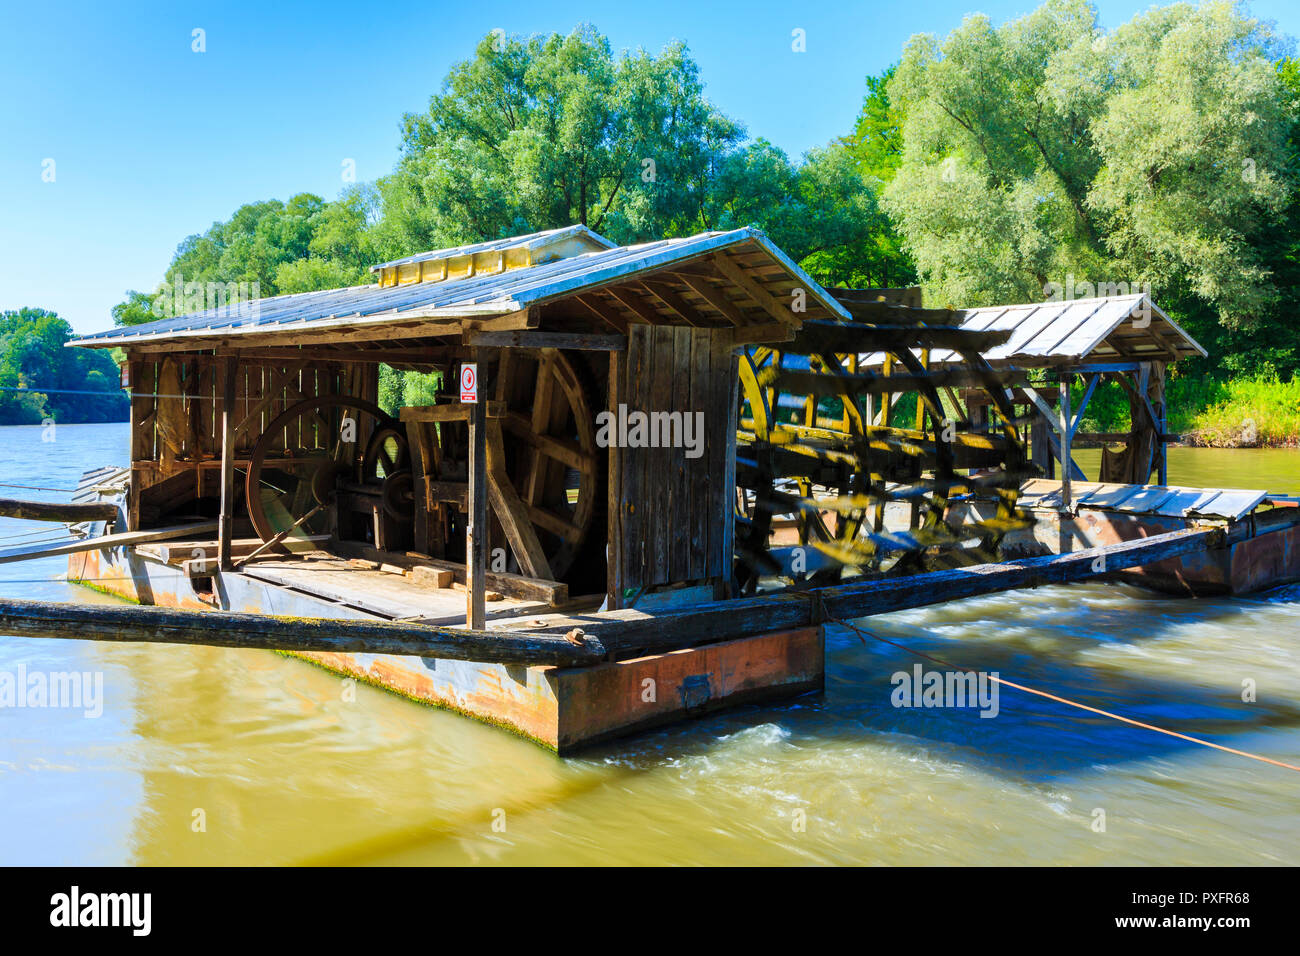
{"x":1061,"y":700}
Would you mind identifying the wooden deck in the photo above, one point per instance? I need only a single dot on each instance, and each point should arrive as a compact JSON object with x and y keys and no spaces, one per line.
{"x":383,"y":593}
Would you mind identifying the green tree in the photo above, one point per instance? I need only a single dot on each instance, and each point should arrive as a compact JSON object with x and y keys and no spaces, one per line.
{"x":1047,"y":148}
{"x":822,"y":212}
{"x":543,"y":132}
{"x":40,"y":379}
{"x":876,"y":144}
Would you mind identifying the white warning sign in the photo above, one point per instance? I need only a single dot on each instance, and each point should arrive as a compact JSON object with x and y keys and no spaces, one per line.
{"x":469,"y":382}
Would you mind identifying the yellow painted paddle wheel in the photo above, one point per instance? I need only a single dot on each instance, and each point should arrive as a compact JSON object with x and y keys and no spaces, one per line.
{"x":855,"y":456}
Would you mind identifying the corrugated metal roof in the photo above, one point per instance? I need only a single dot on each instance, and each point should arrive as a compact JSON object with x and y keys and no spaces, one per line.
{"x":1170,"y":501}
{"x":532,"y":240}
{"x":498,"y":293}
{"x":1046,"y":331}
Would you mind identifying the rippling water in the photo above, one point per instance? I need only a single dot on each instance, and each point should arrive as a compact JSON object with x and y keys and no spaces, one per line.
{"x":285,"y":770}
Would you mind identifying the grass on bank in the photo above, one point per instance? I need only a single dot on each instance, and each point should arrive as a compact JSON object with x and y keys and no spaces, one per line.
{"x":1214,"y":413}
{"x":1237,"y":413}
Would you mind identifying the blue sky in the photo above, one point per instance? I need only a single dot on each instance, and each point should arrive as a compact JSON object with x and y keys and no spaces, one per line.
{"x":152,"y":142}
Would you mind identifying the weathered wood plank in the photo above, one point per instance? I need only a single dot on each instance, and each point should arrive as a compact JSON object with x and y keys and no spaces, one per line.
{"x":659,"y":525}
{"x":156,"y":625}
{"x":677,"y":515}
{"x":105,"y":542}
{"x":633,"y":632}
{"x":530,"y":339}
{"x":554,"y":593}
{"x":67,"y":512}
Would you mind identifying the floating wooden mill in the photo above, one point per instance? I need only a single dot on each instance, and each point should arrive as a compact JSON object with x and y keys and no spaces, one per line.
{"x":849,"y":453}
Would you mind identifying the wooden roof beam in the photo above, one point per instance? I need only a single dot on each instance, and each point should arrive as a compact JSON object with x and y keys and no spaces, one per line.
{"x":714,"y":296}
{"x":636,"y":303}
{"x":765,"y":299}
{"x":532,"y":339}
{"x":603,"y":312}
{"x":416,"y":355}
{"x":669,"y":297}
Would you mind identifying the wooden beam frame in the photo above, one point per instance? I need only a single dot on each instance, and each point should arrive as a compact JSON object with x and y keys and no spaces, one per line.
{"x":476,"y":532}
{"x":226,"y":520}
{"x":669,"y":297}
{"x":715,"y":297}
{"x":436,"y":355}
{"x":603,"y":313}
{"x":278,"y":383}
{"x":530,"y":339}
{"x":510,"y":510}
{"x":635,"y":303}
{"x":1067,"y":430}
{"x":764,"y":298}
{"x":1058,"y":429}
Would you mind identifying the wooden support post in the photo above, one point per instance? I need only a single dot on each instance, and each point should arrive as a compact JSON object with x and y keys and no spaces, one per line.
{"x":1162,"y":425}
{"x":614,"y":499}
{"x":1066,"y":436}
{"x":226,"y":520}
{"x":476,"y":536}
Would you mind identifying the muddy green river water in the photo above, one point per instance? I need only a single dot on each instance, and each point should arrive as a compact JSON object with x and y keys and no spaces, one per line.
{"x":212,"y":756}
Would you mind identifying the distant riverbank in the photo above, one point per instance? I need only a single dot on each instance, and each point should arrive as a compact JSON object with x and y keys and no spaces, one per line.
{"x":1237,"y":413}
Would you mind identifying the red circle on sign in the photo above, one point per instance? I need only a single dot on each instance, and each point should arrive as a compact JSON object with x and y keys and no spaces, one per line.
{"x":467,"y":378}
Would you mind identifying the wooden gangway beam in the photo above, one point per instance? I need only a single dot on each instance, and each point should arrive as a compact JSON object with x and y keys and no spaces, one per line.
{"x":66,"y":512}
{"x":106,"y":542}
{"x":550,"y":640}
{"x":160,"y":625}
{"x":630,"y":632}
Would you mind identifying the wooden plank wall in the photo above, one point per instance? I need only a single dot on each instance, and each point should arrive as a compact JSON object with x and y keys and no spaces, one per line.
{"x":670,"y":514}
{"x":176,"y":418}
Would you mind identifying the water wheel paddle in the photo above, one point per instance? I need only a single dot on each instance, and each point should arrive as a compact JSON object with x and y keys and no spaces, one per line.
{"x":802,"y":461}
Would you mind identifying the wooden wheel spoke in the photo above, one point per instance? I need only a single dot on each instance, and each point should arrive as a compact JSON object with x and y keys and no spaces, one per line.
{"x":297,"y":505}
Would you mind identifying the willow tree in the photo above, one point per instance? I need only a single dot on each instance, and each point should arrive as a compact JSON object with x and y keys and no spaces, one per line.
{"x":1048,"y":149}
{"x":541,"y":132}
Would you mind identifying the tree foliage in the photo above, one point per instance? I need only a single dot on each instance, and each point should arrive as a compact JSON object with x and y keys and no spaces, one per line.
{"x":989,"y":165}
{"x":542,"y":132}
{"x":1048,"y":148}
{"x":41,"y":379}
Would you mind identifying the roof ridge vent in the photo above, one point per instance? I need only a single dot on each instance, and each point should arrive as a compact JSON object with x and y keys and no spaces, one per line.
{"x":492,"y":256}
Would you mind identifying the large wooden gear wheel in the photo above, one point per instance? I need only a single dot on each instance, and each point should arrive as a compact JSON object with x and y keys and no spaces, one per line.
{"x":352,"y":441}
{"x":548,"y":443}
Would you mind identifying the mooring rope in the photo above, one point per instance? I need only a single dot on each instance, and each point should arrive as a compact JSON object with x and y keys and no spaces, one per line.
{"x":39,"y":488}
{"x":863,"y":634}
{"x":37,"y":533}
{"x":24,"y":540}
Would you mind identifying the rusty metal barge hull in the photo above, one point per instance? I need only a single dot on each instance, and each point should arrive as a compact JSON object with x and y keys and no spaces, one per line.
{"x":563,"y":709}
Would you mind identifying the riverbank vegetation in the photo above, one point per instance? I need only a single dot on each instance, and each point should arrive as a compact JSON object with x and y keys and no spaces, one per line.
{"x":1238,"y":411}
{"x":40,"y":380}
{"x":1044,"y":157}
